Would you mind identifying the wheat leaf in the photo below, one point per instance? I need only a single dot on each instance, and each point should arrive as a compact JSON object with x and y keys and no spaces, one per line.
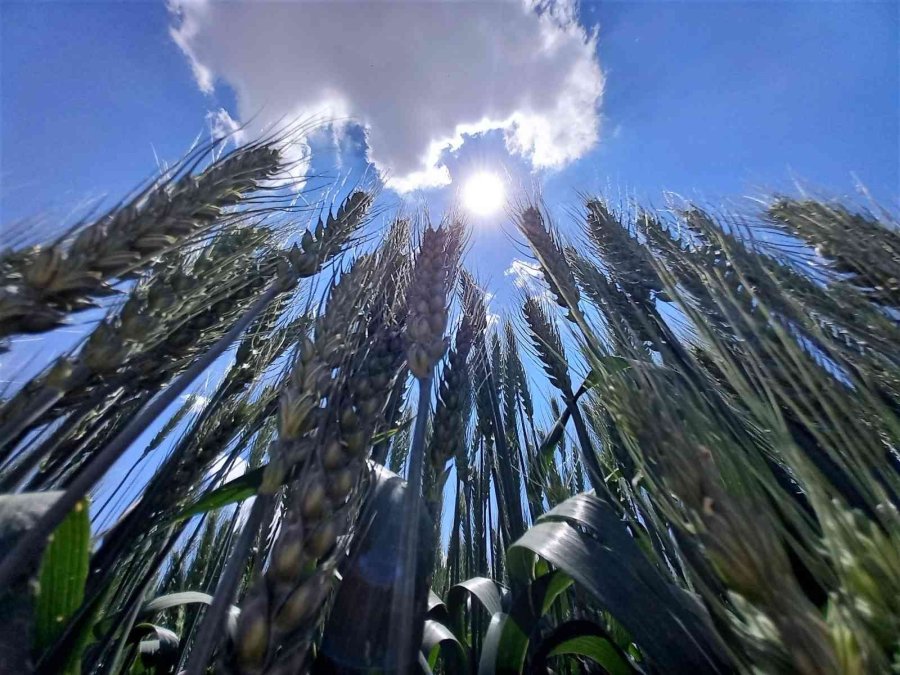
{"x":63,"y":572}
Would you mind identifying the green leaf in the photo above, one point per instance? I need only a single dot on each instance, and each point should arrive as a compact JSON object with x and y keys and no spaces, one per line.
{"x":529,"y":606}
{"x":437,"y":610}
{"x":18,"y":514}
{"x":487,"y":665}
{"x":486,"y":591}
{"x":554,"y":436}
{"x":438,"y":640}
{"x":615,"y":364}
{"x":163,"y":603}
{"x":154,"y":649}
{"x":171,"y":600}
{"x":237,"y":490}
{"x":543,"y":596}
{"x":584,"y":537}
{"x":63,"y":572}
{"x":390,"y":433}
{"x":596,"y":648}
{"x":582,"y":638}
{"x":611,"y":365}
{"x":605,"y":366}
{"x":175,"y":600}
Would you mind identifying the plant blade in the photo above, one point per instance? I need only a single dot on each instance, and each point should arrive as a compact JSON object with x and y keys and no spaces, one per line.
{"x":63,"y":572}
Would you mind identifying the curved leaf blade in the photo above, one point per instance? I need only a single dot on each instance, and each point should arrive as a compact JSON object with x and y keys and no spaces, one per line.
{"x":171,"y":600}
{"x":528,"y":607}
{"x":438,"y":640}
{"x":487,"y":665}
{"x":237,"y":490}
{"x":487,"y":592}
{"x":155,"y":649}
{"x":609,"y":564}
{"x":582,"y":638}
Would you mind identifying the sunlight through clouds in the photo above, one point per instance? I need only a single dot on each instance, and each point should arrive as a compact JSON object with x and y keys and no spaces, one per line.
{"x":526,"y":69}
{"x":483,"y":193}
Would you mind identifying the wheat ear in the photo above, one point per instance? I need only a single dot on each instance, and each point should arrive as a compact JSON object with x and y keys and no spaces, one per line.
{"x":425,"y":328}
{"x":44,"y":283}
{"x":286,"y":602}
{"x":454,"y":400}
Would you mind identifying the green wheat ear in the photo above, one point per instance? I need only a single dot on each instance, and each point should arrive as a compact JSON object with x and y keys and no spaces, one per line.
{"x":730,"y":402}
{"x":43,"y":284}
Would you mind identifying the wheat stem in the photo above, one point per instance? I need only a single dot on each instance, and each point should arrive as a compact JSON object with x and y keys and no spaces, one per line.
{"x":17,"y":561}
{"x":403,"y":612}
{"x":223,"y":597}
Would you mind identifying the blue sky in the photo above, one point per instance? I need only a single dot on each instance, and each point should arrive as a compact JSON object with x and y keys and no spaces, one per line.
{"x":713,"y":100}
{"x":716,"y":98}
{"x":703,"y":98}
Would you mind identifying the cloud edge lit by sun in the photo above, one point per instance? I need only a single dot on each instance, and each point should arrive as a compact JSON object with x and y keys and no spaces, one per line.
{"x":547,"y":122}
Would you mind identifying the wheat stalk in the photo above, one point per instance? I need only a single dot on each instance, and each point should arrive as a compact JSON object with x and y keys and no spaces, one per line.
{"x":145,"y":328}
{"x":548,"y":251}
{"x":548,"y":345}
{"x":859,"y":246}
{"x":425,"y":327}
{"x":188,"y":314}
{"x":453,"y":403}
{"x":43,"y":284}
{"x":736,"y":532}
{"x":286,"y":602}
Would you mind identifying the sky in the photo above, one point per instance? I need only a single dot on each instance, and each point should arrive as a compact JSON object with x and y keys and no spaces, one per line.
{"x":709,"y":100}
{"x":712,"y":100}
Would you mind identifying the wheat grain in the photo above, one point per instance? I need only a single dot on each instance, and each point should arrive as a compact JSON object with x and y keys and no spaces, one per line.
{"x":43,"y":284}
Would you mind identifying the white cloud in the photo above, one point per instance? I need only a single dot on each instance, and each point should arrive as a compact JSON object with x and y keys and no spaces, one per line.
{"x":525,"y":274}
{"x":417,"y":76}
{"x":493,"y":319}
{"x":223,"y":125}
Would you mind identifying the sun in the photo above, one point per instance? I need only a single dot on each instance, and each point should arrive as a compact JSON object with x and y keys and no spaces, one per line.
{"x":483,"y":193}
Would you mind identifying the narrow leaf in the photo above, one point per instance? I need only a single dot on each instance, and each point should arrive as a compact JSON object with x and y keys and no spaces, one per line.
{"x":438,"y":640}
{"x":582,"y":638}
{"x":64,"y":569}
{"x":237,"y":490}
{"x":608,"y":563}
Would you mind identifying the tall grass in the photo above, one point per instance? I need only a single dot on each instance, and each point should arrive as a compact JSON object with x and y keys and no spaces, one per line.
{"x":712,"y":485}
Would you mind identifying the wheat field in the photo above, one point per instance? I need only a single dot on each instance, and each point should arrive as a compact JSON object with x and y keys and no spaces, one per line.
{"x":378,"y":479}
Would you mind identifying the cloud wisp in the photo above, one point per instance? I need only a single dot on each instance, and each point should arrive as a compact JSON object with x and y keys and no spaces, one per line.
{"x":525,"y":275}
{"x":417,"y":76}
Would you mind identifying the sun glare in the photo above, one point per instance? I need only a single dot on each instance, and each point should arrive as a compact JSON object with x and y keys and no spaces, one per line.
{"x":483,"y":193}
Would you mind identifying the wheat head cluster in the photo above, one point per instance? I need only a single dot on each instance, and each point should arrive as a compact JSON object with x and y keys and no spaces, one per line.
{"x":293,"y":437}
